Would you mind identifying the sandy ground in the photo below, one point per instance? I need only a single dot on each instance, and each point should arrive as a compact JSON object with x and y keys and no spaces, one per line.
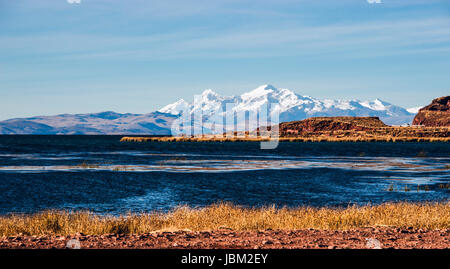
{"x":225,"y":239}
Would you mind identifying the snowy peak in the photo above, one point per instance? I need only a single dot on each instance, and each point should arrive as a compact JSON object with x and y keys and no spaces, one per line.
{"x":290,"y":106}
{"x":281,"y":99}
{"x":209,"y":94}
{"x":268,"y":91}
{"x":376,"y":104}
{"x":262,"y":90}
{"x":175,"y":108}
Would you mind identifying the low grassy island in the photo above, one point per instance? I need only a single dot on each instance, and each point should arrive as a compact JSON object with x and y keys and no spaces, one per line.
{"x":320,"y":129}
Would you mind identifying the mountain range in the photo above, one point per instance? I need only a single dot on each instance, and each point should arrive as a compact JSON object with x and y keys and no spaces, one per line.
{"x":95,"y":123}
{"x":289,"y":105}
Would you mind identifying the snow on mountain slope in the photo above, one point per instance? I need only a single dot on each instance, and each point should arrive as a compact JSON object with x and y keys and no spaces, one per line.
{"x":175,"y":108}
{"x":289,"y":105}
{"x":414,"y":110}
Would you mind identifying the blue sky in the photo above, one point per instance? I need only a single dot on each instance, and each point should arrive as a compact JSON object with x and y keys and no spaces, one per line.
{"x":139,"y":55}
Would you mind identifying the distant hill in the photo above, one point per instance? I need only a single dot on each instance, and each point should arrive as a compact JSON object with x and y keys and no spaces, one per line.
{"x":109,"y":122}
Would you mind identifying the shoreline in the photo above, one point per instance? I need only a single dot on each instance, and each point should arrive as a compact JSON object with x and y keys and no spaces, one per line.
{"x":282,"y":139}
{"x":316,"y":129}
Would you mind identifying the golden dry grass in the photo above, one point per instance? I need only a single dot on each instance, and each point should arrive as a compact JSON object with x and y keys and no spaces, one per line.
{"x":321,"y":138}
{"x":219,"y":216}
{"x":374,"y":134}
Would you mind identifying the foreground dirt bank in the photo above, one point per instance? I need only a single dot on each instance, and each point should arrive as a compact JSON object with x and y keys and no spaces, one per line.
{"x":226,"y":239}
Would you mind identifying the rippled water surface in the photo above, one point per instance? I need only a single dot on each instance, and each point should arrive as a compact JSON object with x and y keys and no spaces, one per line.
{"x":101,"y":174}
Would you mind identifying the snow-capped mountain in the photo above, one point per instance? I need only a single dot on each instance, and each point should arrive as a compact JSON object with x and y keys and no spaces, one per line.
{"x":289,"y":105}
{"x":282,"y":105}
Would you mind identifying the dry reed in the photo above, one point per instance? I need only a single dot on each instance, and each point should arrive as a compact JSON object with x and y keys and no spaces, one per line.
{"x":223,"y":215}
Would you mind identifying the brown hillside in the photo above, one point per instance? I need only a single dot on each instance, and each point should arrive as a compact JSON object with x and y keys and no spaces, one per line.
{"x":321,"y":124}
{"x":435,"y":114}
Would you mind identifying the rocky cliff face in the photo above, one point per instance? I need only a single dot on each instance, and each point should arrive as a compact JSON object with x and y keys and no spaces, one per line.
{"x":435,"y":114}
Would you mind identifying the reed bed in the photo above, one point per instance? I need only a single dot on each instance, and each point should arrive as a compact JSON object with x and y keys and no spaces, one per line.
{"x":227,"y":216}
{"x":287,"y":139}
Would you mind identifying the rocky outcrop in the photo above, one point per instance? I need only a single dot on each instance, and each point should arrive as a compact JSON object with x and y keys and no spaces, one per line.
{"x":435,"y":114}
{"x":321,"y":124}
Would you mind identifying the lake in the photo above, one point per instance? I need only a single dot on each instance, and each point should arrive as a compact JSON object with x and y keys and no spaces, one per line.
{"x":103,"y":175}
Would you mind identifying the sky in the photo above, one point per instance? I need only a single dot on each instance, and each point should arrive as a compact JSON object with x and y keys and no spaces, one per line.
{"x":136,"y":56}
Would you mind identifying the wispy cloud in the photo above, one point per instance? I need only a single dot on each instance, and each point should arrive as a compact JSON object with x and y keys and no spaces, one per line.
{"x":366,"y":39}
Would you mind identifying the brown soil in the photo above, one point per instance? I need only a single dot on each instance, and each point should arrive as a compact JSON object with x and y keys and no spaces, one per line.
{"x":226,"y":239}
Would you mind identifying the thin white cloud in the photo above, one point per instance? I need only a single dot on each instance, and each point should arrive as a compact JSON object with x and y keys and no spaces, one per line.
{"x":369,"y":39}
{"x":74,"y":1}
{"x":374,"y":1}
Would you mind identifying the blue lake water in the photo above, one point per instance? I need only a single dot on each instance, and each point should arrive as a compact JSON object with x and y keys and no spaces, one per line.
{"x":103,"y":175}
